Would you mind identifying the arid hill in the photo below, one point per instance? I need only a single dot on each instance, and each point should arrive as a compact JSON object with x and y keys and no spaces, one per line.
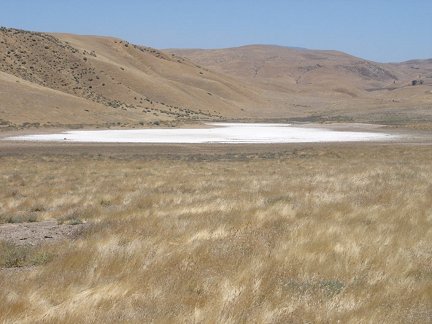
{"x":327,"y":83}
{"x":75,"y":81}
{"x":55,"y":79}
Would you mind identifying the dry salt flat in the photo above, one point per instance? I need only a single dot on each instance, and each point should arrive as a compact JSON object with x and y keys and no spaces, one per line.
{"x":243,"y":133}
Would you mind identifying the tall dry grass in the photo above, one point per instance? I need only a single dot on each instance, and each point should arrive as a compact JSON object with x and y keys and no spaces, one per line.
{"x":324,"y":234}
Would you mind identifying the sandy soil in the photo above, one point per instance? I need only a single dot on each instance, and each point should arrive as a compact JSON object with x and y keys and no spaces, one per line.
{"x":36,"y":233}
{"x":175,"y":151}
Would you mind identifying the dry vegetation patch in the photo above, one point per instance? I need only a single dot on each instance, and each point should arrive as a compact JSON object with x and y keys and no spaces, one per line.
{"x":319,"y":235}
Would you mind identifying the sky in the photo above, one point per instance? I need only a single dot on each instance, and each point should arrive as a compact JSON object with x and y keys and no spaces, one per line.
{"x":379,"y":30}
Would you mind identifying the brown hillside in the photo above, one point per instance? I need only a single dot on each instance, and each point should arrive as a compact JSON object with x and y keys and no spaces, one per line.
{"x":135,"y":83}
{"x":289,"y":66}
{"x":63,"y":79}
{"x":27,"y":104}
{"x":285,"y":66}
{"x":326,"y":83}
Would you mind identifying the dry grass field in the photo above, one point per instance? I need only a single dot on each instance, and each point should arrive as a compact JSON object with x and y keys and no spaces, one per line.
{"x":325,"y":233}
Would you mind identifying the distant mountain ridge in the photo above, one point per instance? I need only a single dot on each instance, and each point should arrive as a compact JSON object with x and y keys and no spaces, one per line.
{"x":289,"y":62}
{"x":326,"y":83}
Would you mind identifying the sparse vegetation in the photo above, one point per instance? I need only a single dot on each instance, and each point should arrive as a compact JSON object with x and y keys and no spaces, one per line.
{"x":44,"y":59}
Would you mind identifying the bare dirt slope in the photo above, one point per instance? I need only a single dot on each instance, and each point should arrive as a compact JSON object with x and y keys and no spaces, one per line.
{"x":35,"y":233}
{"x":326,"y":82}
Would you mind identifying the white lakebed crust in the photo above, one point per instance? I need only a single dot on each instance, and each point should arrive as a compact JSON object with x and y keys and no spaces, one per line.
{"x":220,"y":133}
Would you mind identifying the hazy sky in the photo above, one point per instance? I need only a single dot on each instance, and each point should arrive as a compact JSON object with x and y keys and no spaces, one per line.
{"x":380,"y":30}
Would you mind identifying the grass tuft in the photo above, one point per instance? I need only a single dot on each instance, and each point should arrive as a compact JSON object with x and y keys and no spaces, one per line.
{"x":17,"y":256}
